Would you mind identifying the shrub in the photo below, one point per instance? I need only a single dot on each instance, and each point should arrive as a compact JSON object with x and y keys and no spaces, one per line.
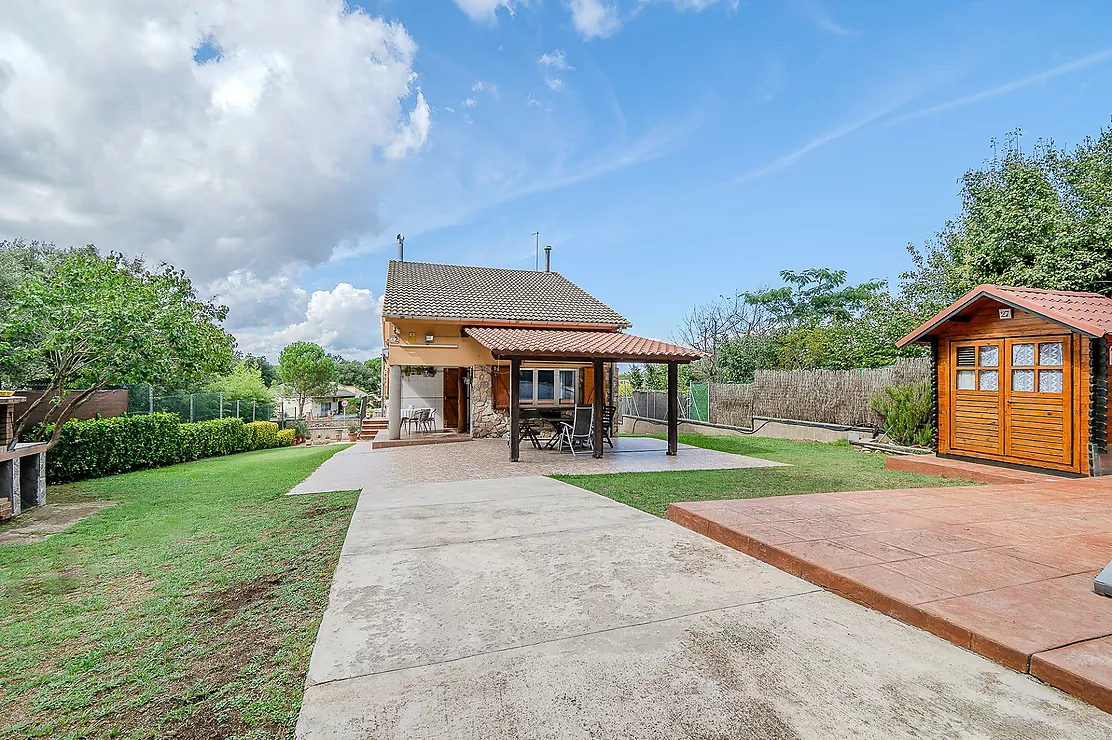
{"x":906,"y":410}
{"x":301,"y":429}
{"x":212,"y":438}
{"x":354,"y":427}
{"x":261,"y":435}
{"x":285,"y":437}
{"x":99,"y":447}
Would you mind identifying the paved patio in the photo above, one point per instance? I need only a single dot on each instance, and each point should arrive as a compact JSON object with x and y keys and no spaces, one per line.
{"x":526,"y":608}
{"x":360,"y":466}
{"x":1006,"y":570}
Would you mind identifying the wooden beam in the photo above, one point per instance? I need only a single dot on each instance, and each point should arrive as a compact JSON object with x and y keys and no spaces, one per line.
{"x":600,"y":401}
{"x":673,"y":408}
{"x":515,"y":410}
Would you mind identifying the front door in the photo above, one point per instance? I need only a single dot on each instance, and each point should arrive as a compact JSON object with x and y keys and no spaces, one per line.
{"x":1038,"y":404}
{"x":451,"y":398}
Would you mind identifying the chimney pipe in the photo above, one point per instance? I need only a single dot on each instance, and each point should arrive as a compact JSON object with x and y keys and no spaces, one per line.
{"x":548,"y":258}
{"x":401,"y":247}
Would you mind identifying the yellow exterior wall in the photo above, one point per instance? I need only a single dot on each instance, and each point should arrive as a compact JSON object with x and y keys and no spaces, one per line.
{"x":448,"y":348}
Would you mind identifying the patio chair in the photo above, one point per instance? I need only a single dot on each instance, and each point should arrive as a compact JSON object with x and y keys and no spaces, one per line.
{"x":579,"y":431}
{"x":608,"y":413}
{"x":424,"y":420}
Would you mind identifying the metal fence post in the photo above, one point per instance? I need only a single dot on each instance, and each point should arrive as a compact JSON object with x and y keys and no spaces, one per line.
{"x":150,"y":399}
{"x":190,"y":407}
{"x":252,"y":410}
{"x":221,"y":394}
{"x":237,"y":410}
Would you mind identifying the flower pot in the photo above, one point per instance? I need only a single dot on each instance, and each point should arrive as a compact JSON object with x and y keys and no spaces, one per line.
{"x":352,"y":437}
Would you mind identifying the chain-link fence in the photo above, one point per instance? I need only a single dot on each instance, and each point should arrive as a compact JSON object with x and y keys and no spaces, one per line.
{"x":197,"y":406}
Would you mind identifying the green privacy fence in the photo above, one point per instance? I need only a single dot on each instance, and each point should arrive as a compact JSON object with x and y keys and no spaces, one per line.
{"x":698,"y":408}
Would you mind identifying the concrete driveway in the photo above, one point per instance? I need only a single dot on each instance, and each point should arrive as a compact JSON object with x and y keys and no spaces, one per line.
{"x":526,"y":608}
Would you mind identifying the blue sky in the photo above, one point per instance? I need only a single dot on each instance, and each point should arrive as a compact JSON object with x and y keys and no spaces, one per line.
{"x":691,"y":153}
{"x":669,"y":150}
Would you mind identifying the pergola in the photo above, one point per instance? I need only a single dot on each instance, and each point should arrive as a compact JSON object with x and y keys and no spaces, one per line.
{"x":583,"y":347}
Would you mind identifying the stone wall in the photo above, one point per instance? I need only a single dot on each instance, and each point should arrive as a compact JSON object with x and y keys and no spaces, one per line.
{"x":486,"y":421}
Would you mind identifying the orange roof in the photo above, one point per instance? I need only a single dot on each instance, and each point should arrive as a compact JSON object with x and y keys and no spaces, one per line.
{"x":1087,"y":313}
{"x":600,"y":345}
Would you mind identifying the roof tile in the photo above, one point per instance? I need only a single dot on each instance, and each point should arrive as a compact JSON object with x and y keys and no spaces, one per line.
{"x":586,"y":344}
{"x":430,"y":291}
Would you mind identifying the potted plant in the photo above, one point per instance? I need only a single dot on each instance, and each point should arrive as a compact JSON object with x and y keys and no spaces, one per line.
{"x":354,"y":427}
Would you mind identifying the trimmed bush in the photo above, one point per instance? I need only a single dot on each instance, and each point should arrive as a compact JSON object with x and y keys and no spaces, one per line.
{"x":99,"y":447}
{"x":285,"y":437}
{"x":261,"y":435}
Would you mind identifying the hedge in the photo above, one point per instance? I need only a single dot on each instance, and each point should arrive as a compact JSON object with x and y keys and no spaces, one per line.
{"x":99,"y":447}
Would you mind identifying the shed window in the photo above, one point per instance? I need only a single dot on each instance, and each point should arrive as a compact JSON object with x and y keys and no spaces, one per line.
{"x":978,"y":365}
{"x":1050,"y":353}
{"x":967,"y":380}
{"x":1050,"y":381}
{"x":989,"y":380}
{"x":967,"y":356}
{"x":990,"y":355}
{"x":1023,"y":381}
{"x":1023,"y":355}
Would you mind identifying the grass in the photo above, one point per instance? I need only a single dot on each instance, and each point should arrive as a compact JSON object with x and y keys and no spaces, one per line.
{"x":188,"y":609}
{"x":815,"y":467}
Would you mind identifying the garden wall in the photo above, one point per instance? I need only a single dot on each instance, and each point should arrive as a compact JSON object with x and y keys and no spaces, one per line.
{"x":106,"y":404}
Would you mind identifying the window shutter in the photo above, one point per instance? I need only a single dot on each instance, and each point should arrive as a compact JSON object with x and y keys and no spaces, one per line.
{"x":500,"y":386}
{"x":588,"y":375}
{"x":967,"y":356}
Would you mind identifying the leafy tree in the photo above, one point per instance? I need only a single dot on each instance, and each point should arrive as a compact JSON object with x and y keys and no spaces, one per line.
{"x":366,"y":376}
{"x":89,"y":322}
{"x":1041,"y":219}
{"x":636,"y":378}
{"x":267,"y":370}
{"x":244,"y":383}
{"x":306,"y":371}
{"x":814,"y":297}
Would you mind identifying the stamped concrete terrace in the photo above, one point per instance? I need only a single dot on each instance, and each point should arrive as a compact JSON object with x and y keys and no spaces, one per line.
{"x":1003,"y":570}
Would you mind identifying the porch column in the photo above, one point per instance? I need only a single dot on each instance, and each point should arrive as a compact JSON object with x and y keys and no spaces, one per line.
{"x":673,"y":407}
{"x":600,"y":401}
{"x":515,"y":410}
{"x":394,"y":404}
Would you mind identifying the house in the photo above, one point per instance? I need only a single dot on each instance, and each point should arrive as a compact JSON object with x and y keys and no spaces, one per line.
{"x":345,"y":399}
{"x":1020,"y":378}
{"x":470,"y":342}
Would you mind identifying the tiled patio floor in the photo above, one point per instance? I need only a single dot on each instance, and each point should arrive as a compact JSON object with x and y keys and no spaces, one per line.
{"x":360,"y":466}
{"x":1006,"y":571}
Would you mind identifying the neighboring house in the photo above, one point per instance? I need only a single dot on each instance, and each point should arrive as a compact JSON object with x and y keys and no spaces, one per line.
{"x":1021,"y":378}
{"x":453,"y":333}
{"x":345,"y":400}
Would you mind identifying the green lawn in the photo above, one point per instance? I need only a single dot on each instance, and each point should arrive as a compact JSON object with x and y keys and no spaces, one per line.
{"x":187,"y":610}
{"x":816,"y":467}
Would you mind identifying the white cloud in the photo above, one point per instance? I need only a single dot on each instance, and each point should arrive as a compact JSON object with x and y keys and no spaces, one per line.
{"x":555,"y":83}
{"x":254,"y":302}
{"x":817,"y":16}
{"x":594,"y":18}
{"x":484,"y":10}
{"x":345,"y":321}
{"x":556,"y":59}
{"x":486,"y":87}
{"x":258,"y":161}
{"x":470,"y":102}
{"x":530,"y":100}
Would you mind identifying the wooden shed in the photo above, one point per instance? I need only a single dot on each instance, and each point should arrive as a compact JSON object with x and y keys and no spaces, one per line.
{"x":1020,"y":378}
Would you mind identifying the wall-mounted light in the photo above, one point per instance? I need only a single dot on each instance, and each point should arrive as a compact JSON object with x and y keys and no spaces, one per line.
{"x":429,"y":338}
{"x":396,"y":330}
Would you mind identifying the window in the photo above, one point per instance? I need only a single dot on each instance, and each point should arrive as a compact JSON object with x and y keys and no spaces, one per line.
{"x":546,"y":386}
{"x":1038,"y":367}
{"x":978,"y":367}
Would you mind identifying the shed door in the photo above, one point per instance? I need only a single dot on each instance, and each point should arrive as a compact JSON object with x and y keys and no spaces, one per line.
{"x":975,"y":412}
{"x":1038,"y":404}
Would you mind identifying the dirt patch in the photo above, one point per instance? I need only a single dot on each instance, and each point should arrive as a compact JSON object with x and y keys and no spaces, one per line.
{"x":225,"y":602}
{"x":42,"y":521}
{"x":321,"y":511}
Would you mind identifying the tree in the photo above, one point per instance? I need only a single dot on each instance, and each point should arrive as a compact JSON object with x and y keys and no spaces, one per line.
{"x":244,"y":383}
{"x":1041,"y":219}
{"x":306,"y":371}
{"x":363,"y":375}
{"x":636,"y":378}
{"x":90,"y":322}
{"x":267,"y":371}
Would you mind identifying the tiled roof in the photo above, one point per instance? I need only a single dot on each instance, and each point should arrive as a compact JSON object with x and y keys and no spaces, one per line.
{"x":1088,"y":313}
{"x":607,"y":345}
{"x":422,"y":290}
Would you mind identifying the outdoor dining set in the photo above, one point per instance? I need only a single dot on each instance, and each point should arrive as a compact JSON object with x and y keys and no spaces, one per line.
{"x":552,"y":429}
